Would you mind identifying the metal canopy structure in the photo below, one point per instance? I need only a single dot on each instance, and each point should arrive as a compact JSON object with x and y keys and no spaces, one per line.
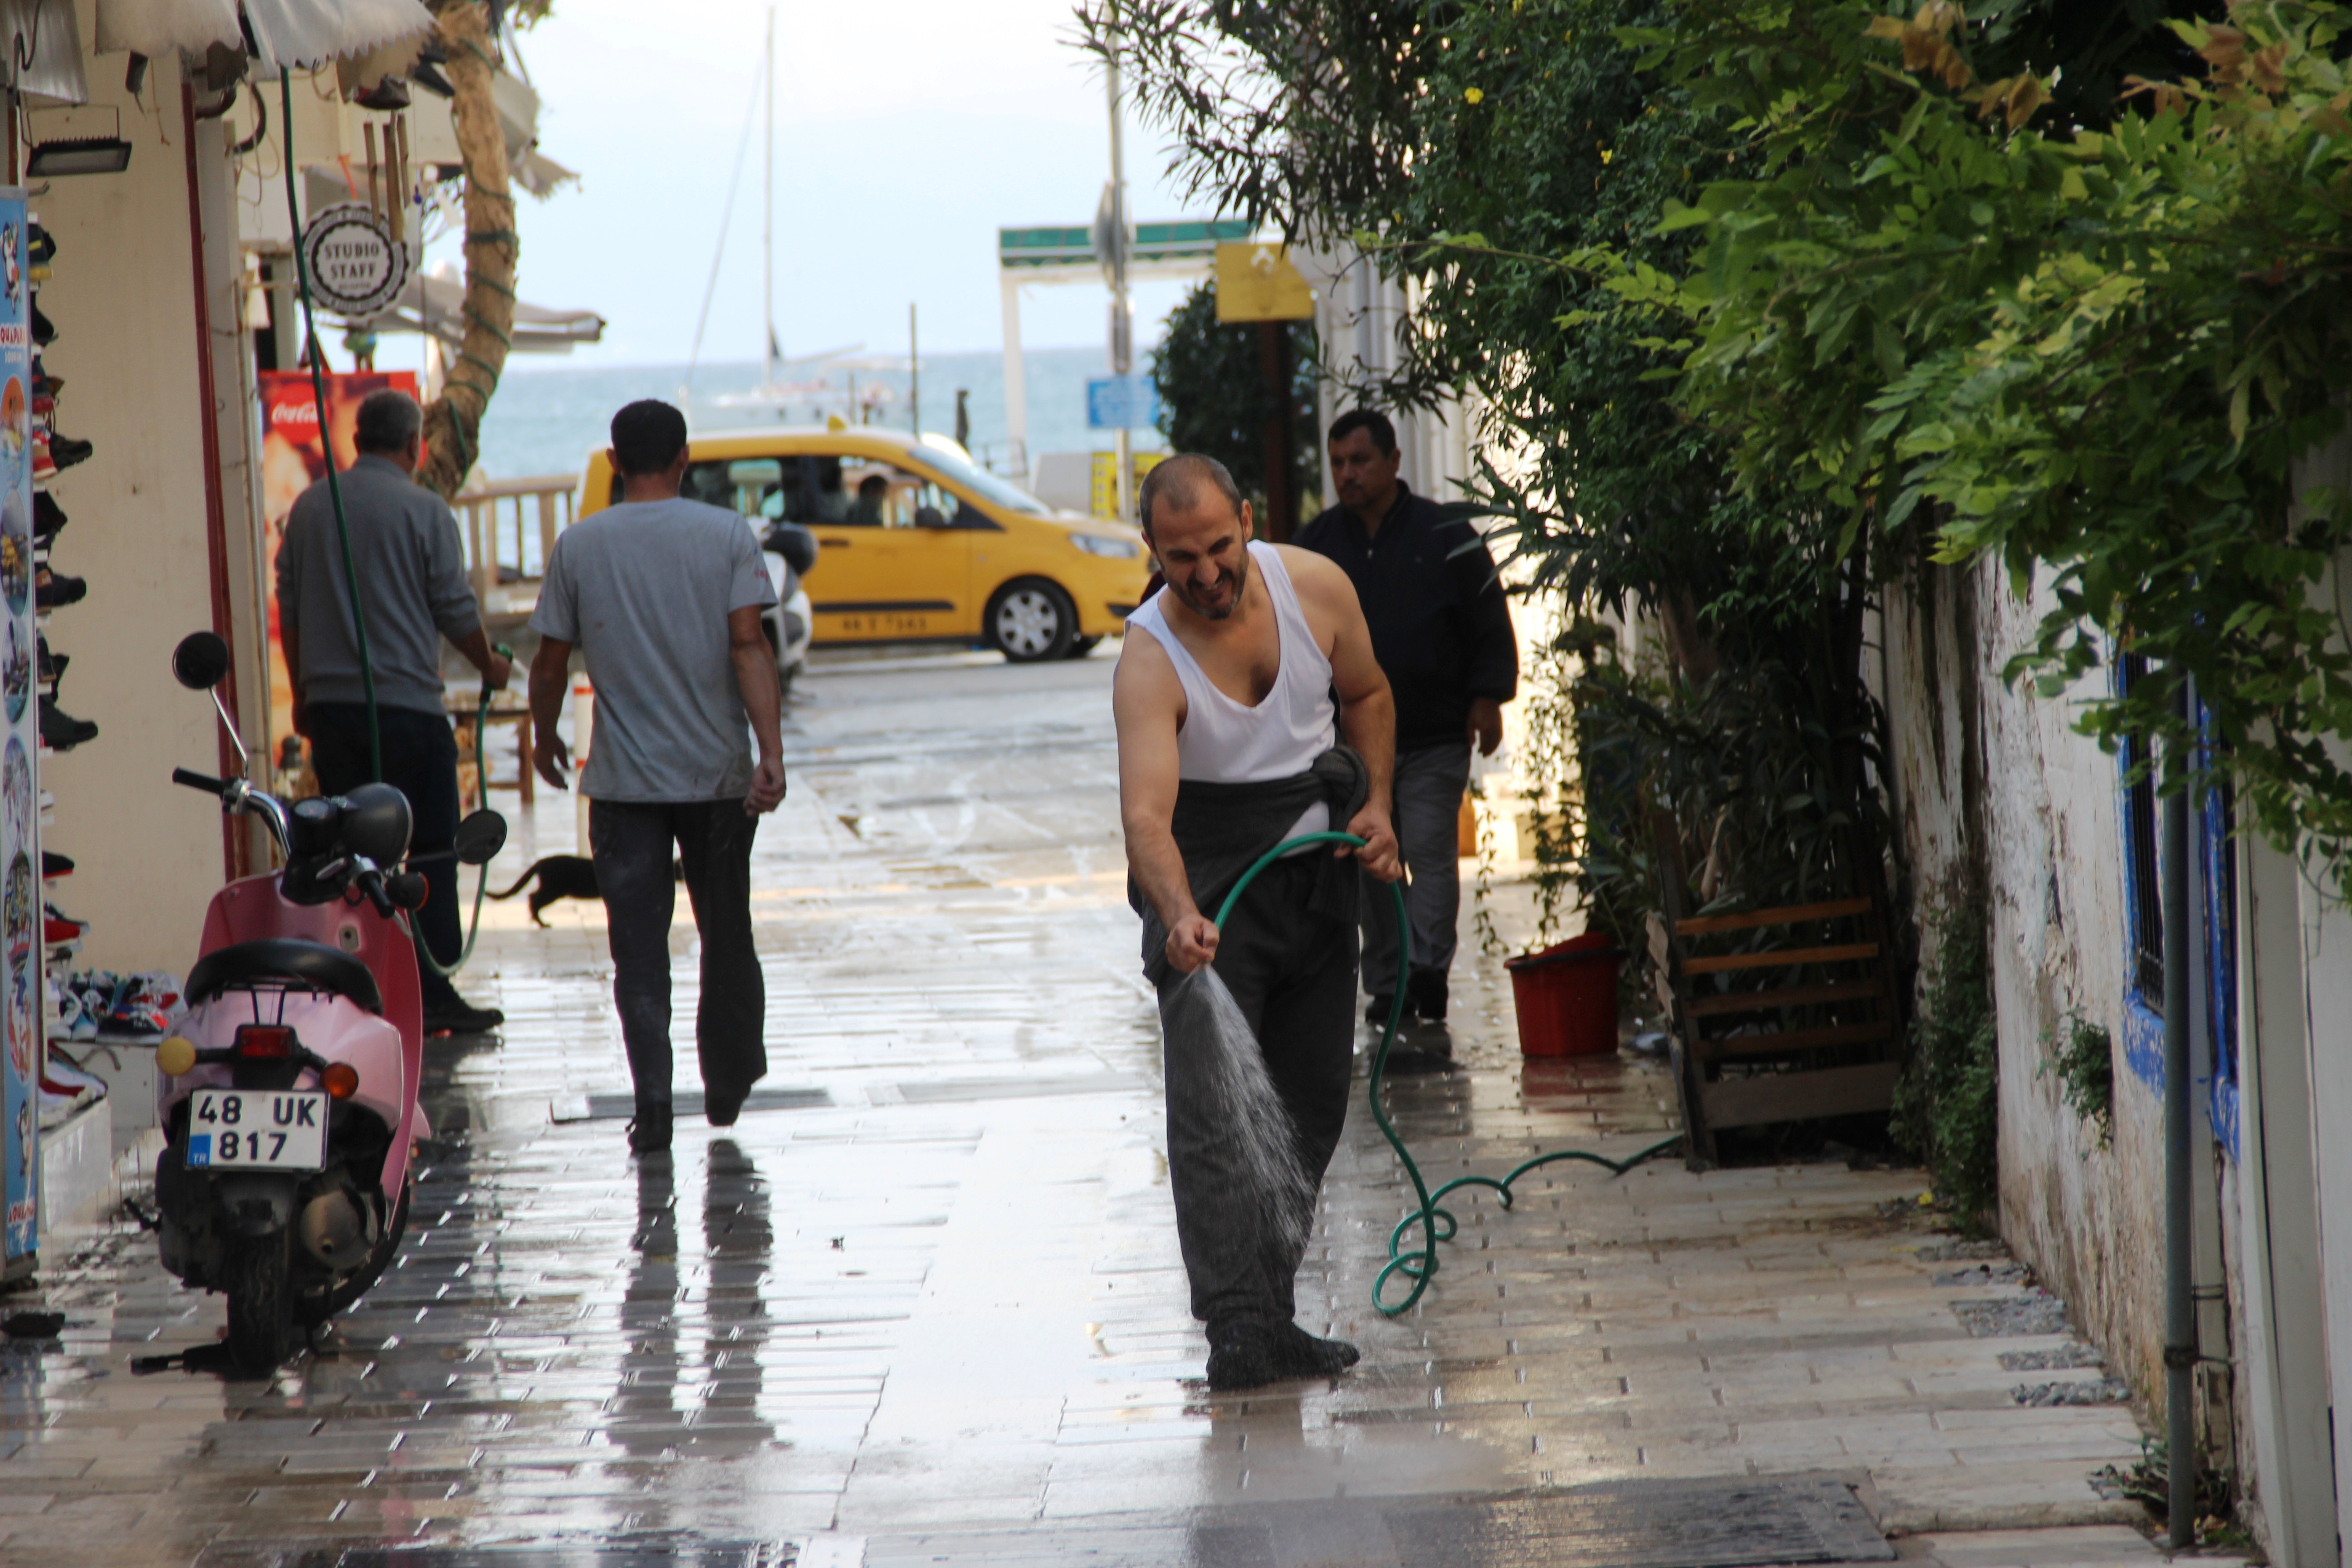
{"x":1069,"y":253}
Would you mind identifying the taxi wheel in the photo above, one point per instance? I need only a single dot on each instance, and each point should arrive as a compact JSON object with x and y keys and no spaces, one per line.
{"x":1031,"y":621}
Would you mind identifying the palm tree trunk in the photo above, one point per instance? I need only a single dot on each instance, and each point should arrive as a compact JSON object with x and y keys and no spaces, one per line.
{"x":453,"y":423}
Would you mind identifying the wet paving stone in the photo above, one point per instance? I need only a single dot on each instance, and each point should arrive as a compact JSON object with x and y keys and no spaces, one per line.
{"x":927,"y":1288}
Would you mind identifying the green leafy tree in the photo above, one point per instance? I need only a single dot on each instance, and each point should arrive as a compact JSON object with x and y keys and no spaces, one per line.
{"x":2100,"y":354}
{"x":1214,"y":396}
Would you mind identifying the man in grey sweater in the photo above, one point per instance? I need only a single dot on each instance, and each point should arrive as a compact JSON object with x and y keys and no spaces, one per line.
{"x":411,"y":570}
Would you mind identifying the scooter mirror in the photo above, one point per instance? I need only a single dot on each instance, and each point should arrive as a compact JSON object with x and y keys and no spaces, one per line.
{"x":480,"y":838}
{"x":201,"y":661}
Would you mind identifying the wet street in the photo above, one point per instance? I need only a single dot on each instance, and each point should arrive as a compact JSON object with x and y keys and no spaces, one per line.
{"x":923,"y":1302}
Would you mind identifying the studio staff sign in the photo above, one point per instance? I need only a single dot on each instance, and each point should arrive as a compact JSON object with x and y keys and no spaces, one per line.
{"x":357,"y":268}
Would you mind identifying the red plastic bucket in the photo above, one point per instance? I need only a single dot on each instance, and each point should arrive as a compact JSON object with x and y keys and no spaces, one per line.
{"x":1566,"y":997}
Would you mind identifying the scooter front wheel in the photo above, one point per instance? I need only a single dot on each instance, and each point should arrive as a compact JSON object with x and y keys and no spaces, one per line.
{"x":261,"y":1303}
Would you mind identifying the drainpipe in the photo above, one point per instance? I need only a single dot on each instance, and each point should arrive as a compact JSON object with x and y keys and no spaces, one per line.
{"x":2180,"y":1299}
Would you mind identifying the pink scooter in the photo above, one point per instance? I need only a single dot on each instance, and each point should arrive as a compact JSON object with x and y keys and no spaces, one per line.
{"x":288,"y":1094}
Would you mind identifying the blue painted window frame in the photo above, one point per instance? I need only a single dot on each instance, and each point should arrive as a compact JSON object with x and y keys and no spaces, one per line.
{"x":2210,"y":838}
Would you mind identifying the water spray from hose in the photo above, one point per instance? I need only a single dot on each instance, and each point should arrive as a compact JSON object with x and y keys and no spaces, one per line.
{"x":1437,"y":1224}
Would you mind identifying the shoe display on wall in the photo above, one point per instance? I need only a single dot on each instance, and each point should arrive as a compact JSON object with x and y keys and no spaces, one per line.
{"x":54,"y":865}
{"x":51,"y":453}
{"x":48,"y":517}
{"x":44,"y":332}
{"x":55,"y":590}
{"x":60,"y":731}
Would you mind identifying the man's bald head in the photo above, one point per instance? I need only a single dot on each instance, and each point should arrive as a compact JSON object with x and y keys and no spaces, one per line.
{"x":1184,"y":482}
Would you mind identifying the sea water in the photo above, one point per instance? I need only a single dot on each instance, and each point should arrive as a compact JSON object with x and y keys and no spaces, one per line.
{"x":548,"y":415}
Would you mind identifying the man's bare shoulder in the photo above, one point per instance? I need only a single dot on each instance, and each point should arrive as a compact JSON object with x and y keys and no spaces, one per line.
{"x":1325,"y":593}
{"x":1146,"y":680}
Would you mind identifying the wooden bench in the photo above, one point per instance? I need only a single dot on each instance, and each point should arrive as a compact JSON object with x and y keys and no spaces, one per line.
{"x":1780,"y":1015}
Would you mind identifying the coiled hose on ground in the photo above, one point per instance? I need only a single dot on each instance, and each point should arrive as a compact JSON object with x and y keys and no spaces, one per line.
{"x":1437,"y":1224}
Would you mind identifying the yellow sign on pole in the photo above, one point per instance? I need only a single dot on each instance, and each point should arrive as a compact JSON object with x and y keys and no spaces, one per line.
{"x":1106,"y":479}
{"x":1257,"y":283}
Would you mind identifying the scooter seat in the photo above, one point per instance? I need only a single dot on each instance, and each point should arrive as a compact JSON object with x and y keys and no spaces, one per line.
{"x":310,"y":966}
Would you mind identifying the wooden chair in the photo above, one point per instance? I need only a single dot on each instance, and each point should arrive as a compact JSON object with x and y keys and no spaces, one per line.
{"x":1780,"y":1015}
{"x":470,"y":748}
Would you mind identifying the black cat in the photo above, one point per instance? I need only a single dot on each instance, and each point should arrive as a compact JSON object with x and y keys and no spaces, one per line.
{"x":559,"y":876}
{"x":566,"y":877}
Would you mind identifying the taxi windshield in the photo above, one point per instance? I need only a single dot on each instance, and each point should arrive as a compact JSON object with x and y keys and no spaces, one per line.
{"x":955,"y":470}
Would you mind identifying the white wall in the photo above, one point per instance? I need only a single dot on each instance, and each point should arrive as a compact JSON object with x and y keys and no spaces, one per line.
{"x":123,"y":301}
{"x":1973,"y":755}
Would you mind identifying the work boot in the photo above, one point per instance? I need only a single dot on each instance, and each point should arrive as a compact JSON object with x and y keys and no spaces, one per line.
{"x":1242,"y":1354}
{"x":458,"y":1016}
{"x":1303,"y":1355}
{"x":1424,"y":992}
{"x":650,"y":1129}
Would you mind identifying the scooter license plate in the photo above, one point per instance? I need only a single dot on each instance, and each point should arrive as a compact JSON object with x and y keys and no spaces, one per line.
{"x":258,"y":1129}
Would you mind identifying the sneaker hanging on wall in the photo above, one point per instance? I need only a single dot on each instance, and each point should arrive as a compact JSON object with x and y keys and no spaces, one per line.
{"x":45,"y":331}
{"x":48,"y":517}
{"x":64,"y":450}
{"x":60,"y":731}
{"x":55,"y":590}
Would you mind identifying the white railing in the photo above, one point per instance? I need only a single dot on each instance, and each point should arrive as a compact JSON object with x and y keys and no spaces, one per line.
{"x":510,"y":527}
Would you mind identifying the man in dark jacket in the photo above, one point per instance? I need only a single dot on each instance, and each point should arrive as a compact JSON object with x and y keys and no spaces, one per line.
{"x":1441,"y":630}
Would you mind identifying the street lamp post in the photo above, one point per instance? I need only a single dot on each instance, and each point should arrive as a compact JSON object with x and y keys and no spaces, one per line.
{"x":1122,"y":323}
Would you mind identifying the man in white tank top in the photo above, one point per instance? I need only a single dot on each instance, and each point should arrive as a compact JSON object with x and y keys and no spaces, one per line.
{"x":1254,"y":662}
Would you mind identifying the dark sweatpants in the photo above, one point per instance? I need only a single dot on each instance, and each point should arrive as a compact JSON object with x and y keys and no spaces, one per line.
{"x":420,"y":761}
{"x":1294,"y":976}
{"x":631,"y":840}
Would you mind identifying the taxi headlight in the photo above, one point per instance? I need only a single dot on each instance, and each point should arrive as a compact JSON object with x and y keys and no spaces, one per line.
{"x":1111,"y":549}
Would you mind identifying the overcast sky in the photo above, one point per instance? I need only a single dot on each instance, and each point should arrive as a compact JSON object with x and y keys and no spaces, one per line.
{"x":906,"y":133}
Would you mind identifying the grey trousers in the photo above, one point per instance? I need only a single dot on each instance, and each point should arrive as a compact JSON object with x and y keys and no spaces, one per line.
{"x":1428,"y":782}
{"x":1293,"y":975}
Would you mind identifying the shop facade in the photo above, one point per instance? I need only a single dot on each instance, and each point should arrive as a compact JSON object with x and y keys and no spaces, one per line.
{"x":155,"y":317}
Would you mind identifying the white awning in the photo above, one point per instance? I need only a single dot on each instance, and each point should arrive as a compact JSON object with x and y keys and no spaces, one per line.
{"x":312,"y":32}
{"x":291,"y":32}
{"x":158,"y":27}
{"x":438,"y":305}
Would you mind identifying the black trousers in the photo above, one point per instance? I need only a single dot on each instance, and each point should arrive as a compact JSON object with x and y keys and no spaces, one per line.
{"x":632,"y":842}
{"x":420,"y":760}
{"x":1293,"y":973}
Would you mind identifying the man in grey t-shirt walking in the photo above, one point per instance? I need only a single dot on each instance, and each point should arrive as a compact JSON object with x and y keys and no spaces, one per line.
{"x":662,"y":598}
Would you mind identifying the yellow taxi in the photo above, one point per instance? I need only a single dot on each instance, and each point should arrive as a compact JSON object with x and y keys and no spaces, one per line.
{"x":915,"y":542}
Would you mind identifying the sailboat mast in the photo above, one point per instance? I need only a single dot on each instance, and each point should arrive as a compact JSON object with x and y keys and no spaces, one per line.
{"x":768,"y":227}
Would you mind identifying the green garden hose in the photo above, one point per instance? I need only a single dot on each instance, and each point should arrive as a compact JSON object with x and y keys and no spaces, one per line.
{"x":481,"y":872}
{"x":1436,"y":1223}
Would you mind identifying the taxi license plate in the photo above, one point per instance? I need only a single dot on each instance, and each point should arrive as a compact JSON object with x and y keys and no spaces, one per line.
{"x":258,"y":1129}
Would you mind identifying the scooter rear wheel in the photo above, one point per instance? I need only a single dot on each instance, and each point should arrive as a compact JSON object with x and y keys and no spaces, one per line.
{"x":261,"y":1303}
